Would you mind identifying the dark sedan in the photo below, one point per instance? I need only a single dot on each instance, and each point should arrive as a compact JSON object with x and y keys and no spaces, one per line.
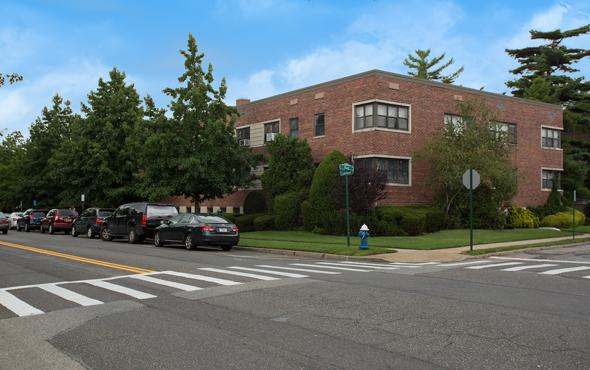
{"x":31,"y":220}
{"x":4,"y":224}
{"x":90,"y":221}
{"x":195,"y":230}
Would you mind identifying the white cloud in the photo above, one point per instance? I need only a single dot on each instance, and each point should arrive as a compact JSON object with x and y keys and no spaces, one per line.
{"x":21,"y":103}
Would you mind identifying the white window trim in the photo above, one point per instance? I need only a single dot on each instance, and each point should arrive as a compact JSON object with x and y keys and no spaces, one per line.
{"x":409,"y":184}
{"x":409,"y":131}
{"x":549,"y":169}
{"x":551,"y":128}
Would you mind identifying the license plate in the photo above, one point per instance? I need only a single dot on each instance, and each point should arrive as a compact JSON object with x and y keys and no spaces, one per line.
{"x":222,"y":230}
{"x":67,"y":219}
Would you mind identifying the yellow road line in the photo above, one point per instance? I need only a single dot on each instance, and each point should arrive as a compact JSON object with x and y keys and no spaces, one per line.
{"x":138,"y":270}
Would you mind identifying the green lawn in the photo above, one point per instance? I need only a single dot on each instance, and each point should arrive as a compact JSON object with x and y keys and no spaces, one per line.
{"x":302,"y":240}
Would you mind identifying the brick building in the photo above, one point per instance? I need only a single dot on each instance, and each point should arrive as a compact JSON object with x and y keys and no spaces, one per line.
{"x":386,"y":117}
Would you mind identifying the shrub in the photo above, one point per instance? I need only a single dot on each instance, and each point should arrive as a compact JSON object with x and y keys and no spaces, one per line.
{"x":264,"y":222}
{"x":413,"y":224}
{"x":255,"y":202}
{"x":246,"y":222}
{"x":321,"y":200}
{"x":563,"y":219}
{"x":385,"y":228}
{"x":555,"y":202}
{"x":433,"y":218}
{"x":286,"y":210}
{"x":231,"y":217}
{"x":521,"y":218}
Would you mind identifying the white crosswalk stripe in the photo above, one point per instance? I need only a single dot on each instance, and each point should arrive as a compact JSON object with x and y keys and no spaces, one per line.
{"x":202,"y":278}
{"x":463,"y":263}
{"x":19,"y":307}
{"x":120,"y":289}
{"x":301,"y":270}
{"x":172,"y":284}
{"x":70,"y":295}
{"x":359,"y":265}
{"x":329,"y":267}
{"x":494,"y":265}
{"x":564,"y":270}
{"x":528,"y":267}
{"x":237,"y":273}
{"x":265,"y":271}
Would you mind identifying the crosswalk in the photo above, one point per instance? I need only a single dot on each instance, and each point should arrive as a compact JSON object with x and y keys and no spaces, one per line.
{"x":15,"y":301}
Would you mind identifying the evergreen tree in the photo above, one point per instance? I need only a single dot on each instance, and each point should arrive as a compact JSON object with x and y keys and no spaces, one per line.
{"x":12,"y":78}
{"x":12,"y":155}
{"x":421,"y":67}
{"x":195,"y":153}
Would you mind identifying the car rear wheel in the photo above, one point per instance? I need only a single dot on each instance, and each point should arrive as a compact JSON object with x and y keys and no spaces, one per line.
{"x":157,"y":241}
{"x":188,"y":242}
{"x":105,"y":235}
{"x":73,"y":233}
{"x":227,"y":247}
{"x":5,"y":231}
{"x":89,"y":233}
{"x":51,"y":230}
{"x":132,"y":236}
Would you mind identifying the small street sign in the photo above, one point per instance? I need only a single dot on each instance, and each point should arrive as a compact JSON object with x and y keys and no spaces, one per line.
{"x":345,"y":169}
{"x":476,"y":179}
{"x":82,"y":197}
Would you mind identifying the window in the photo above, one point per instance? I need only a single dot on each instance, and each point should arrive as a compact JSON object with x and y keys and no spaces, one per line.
{"x":398,"y":169}
{"x":209,"y":209}
{"x":550,"y":138}
{"x":550,"y":176}
{"x":320,"y":125}
{"x":381,"y":115}
{"x":271,"y":129}
{"x":504,"y":130}
{"x":294,"y":127}
{"x":455,"y":120}
{"x":243,"y":135}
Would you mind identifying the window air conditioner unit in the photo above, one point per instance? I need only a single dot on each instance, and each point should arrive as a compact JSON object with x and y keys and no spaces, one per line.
{"x":271,"y":136}
{"x":244,"y":142}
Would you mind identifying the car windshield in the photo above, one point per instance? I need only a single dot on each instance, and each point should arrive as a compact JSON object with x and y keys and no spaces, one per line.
{"x":38,"y":214}
{"x":161,"y":211}
{"x":67,"y":213}
{"x":18,"y":214}
{"x":212,"y":220}
{"x":104,"y":213}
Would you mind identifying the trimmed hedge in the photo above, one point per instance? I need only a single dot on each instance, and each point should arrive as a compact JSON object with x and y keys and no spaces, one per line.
{"x":521,"y":218}
{"x":563,"y":219}
{"x":255,"y":202}
{"x":246,"y":222}
{"x":286,"y":210}
{"x":264,"y":222}
{"x":410,"y":220}
{"x":413,"y":224}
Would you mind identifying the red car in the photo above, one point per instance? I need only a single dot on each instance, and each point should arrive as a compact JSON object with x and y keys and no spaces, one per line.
{"x":58,"y":220}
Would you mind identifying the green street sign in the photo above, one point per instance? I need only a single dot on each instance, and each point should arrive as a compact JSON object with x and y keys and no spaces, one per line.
{"x":345,"y":169}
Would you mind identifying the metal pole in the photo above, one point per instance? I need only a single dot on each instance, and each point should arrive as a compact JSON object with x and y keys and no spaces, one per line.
{"x":574,"y":217}
{"x":471,"y":210}
{"x":347,"y":214}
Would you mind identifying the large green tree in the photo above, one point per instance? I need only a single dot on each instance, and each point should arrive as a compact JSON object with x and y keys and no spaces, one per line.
{"x":46,"y":136}
{"x":195,"y":153}
{"x":430,"y":69}
{"x":290,"y":166}
{"x":471,"y":144}
{"x":99,"y":158}
{"x":12,"y":155}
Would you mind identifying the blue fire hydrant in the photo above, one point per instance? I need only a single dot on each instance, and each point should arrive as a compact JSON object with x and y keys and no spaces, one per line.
{"x":364,"y":235}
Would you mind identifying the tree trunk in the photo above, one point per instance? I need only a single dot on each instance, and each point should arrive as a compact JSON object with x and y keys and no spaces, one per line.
{"x":196,"y":202}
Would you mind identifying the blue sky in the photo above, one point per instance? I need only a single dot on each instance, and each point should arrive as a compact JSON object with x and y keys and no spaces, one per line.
{"x":262,"y":47}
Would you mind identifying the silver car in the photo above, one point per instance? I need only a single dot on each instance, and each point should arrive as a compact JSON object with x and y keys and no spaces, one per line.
{"x":13,"y":218}
{"x":3,"y":223}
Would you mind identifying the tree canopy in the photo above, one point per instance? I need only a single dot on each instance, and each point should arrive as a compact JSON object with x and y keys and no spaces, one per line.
{"x":421,"y":67}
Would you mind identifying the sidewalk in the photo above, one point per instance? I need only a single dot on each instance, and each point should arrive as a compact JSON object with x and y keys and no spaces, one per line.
{"x":454,"y":254}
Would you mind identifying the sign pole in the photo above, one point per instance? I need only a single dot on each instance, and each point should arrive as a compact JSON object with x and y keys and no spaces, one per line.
{"x":574,"y":217}
{"x":471,"y":210}
{"x":347,"y":214}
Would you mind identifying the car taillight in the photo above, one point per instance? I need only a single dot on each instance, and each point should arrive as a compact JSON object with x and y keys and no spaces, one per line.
{"x":144,"y":219}
{"x":56,"y":218}
{"x":99,"y":221}
{"x":235,"y":229}
{"x":207,"y":228}
{"x":5,"y":221}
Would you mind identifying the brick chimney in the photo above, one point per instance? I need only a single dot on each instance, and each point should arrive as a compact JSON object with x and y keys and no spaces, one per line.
{"x":242,"y":102}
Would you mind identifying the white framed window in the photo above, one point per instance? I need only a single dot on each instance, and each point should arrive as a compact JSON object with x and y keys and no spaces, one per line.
{"x":550,"y":176}
{"x":504,"y":130}
{"x":398,"y":169}
{"x":455,"y":120}
{"x":550,"y":137}
{"x":381,"y":115}
{"x":243,"y":135}
{"x":271,"y":130}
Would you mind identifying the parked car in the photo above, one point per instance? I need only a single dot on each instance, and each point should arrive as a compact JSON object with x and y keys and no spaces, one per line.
{"x":136,"y":221}
{"x":31,"y":220}
{"x":194,"y":230}
{"x":13,"y":218}
{"x":4,"y":223}
{"x":58,"y":220}
{"x":90,"y":221}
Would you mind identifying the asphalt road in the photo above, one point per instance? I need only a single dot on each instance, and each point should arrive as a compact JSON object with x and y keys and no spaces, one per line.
{"x":72,"y":303}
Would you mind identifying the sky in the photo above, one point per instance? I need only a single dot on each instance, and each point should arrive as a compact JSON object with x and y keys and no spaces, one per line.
{"x":261,"y":47}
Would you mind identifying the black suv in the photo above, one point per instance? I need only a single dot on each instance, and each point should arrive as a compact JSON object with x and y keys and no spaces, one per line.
{"x":90,"y":221}
{"x":31,"y":220}
{"x":136,"y":221}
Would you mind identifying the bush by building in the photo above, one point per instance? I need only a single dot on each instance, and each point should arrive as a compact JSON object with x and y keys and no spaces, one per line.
{"x":264,"y":222}
{"x":255,"y":202}
{"x":286,"y":209}
{"x":246,"y":222}
{"x":563,"y":219}
{"x":521,"y":218}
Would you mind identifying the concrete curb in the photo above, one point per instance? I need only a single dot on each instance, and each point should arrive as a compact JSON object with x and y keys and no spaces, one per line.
{"x":327,"y":256}
{"x":524,"y":249}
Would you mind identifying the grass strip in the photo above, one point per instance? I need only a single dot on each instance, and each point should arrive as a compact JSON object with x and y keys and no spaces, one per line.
{"x":479,"y":252}
{"x":341,"y":249}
